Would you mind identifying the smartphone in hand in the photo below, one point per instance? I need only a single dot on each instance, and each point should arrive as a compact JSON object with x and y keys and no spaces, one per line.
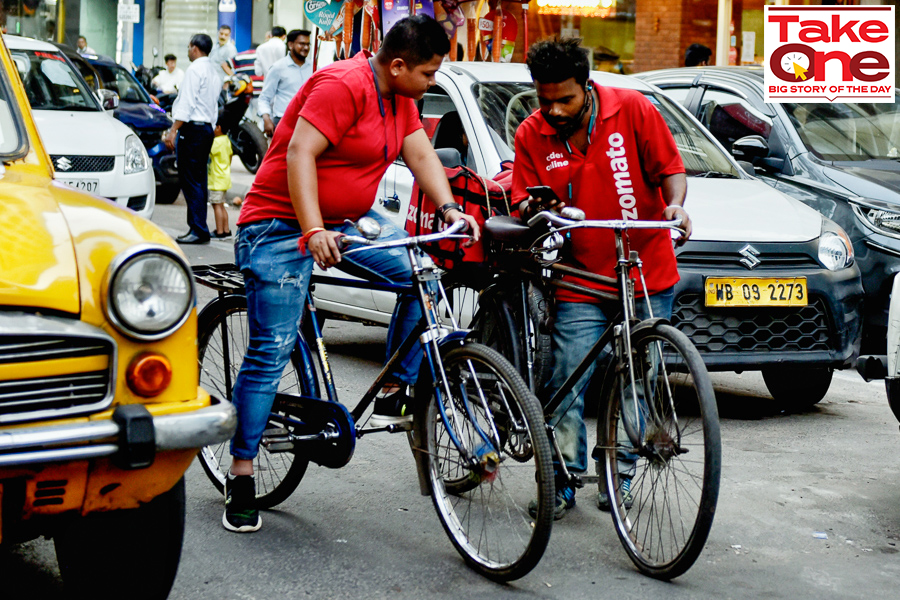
{"x":545,"y":196}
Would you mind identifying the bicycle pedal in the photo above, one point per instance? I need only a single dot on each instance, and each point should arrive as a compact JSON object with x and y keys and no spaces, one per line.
{"x":280,"y":446}
{"x":275,"y":432}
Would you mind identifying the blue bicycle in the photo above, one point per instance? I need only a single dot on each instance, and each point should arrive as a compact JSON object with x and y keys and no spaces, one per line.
{"x":478,"y":435}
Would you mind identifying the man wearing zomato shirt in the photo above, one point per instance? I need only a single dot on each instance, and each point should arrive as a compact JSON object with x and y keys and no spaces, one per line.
{"x":608,"y":152}
{"x":332,"y":147}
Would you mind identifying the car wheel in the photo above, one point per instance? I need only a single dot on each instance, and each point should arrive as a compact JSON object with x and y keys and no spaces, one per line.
{"x":796,"y":388}
{"x":103,"y":554}
{"x":167,"y":193}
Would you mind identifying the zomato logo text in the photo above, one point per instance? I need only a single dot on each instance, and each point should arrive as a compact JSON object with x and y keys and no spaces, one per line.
{"x":829,"y":53}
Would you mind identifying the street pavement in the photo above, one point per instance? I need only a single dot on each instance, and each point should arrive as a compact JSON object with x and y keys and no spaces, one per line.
{"x":365,"y":532}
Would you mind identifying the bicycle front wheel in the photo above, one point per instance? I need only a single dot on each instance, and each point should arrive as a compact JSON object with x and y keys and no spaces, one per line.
{"x":662,"y":481}
{"x":222,"y":340}
{"x":489,"y":462}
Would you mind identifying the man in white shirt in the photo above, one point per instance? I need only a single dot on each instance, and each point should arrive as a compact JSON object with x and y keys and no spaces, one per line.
{"x":284,"y":80}
{"x":168,"y":81}
{"x":195,"y":112}
{"x":269,"y":52}
{"x":82,"y":47}
{"x":223,"y":53}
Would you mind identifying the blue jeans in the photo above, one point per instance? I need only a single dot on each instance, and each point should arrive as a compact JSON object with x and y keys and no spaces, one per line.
{"x":577,"y":327}
{"x":276,"y":278}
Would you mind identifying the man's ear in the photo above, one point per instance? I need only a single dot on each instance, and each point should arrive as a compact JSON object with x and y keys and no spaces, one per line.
{"x":397,"y":66}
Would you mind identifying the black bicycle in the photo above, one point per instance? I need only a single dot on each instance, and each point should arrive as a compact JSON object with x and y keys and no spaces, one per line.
{"x":478,"y":436}
{"x":658,"y":447}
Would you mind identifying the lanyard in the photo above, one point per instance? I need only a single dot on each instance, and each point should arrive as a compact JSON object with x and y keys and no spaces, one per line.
{"x":591,"y":123}
{"x":381,"y":109}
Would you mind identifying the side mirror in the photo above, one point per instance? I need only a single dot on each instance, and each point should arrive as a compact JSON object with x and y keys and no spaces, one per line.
{"x":109,"y":100}
{"x":747,"y":167}
{"x":750,"y":148}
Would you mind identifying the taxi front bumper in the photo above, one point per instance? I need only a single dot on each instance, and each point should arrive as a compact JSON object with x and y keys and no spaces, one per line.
{"x":131,"y":438}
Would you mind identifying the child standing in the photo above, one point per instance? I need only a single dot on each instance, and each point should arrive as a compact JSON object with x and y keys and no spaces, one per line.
{"x":220,"y":176}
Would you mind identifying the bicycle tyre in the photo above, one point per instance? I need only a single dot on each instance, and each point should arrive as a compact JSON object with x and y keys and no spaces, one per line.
{"x":483,"y":507}
{"x":666,"y":522}
{"x":277,"y":474}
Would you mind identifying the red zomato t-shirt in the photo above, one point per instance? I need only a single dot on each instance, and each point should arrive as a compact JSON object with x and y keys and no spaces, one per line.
{"x":342,"y":103}
{"x":631,"y":151}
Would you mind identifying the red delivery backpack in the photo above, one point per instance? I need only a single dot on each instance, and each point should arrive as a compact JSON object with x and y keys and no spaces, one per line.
{"x":478,"y":196}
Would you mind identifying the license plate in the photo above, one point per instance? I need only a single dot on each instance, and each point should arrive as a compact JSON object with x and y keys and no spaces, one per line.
{"x":88,"y":185}
{"x":756,"y":291}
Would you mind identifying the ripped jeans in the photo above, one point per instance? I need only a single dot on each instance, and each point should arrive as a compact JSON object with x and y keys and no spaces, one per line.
{"x":276,"y":278}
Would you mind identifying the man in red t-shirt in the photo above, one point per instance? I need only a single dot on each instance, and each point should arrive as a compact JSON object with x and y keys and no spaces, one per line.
{"x":338,"y":136}
{"x":608,"y":152}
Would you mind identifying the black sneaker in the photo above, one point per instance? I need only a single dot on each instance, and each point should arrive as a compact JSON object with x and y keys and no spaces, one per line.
{"x":221,"y":236}
{"x":394,"y":408}
{"x":565,"y":501}
{"x":241,"y":515}
{"x":627,"y":499}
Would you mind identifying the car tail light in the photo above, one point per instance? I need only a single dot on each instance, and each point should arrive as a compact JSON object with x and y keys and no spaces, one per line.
{"x":149,"y":375}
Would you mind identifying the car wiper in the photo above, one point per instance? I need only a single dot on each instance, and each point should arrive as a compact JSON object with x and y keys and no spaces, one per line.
{"x":716,"y":175}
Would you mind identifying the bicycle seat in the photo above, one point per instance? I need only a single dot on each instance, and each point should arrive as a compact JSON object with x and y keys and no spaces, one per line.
{"x":506,"y":229}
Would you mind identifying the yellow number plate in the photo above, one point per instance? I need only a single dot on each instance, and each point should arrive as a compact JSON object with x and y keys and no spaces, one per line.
{"x":752,"y":291}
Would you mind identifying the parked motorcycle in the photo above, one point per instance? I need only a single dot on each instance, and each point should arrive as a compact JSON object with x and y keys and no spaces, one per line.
{"x":247,"y":140}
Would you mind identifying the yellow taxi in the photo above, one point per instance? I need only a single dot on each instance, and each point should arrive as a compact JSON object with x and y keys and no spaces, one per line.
{"x":100,"y":408}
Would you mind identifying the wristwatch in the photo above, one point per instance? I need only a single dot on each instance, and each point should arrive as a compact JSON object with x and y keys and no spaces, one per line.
{"x":442,"y":210}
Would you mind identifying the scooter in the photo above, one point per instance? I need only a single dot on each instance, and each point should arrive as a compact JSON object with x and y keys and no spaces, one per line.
{"x":247,"y":140}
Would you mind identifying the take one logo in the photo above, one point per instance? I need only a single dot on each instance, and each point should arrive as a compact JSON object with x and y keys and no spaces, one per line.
{"x":829,"y":54}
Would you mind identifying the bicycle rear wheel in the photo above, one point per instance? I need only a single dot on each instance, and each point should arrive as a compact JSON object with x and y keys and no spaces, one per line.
{"x":664,"y":519}
{"x":483,"y":503}
{"x":221,"y":353}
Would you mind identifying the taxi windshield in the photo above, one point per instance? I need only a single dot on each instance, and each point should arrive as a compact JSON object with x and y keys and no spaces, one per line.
{"x":847,"y":131}
{"x":12,"y":130}
{"x":50,"y":83}
{"x":505,"y":105}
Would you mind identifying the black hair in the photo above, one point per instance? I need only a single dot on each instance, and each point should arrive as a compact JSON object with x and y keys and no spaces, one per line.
{"x":696,"y":54}
{"x":81,"y":37}
{"x":278,"y":31}
{"x":293,"y":34}
{"x":557,"y":60}
{"x":224,"y":121}
{"x":169,"y":57}
{"x":417,"y":40}
{"x":224,"y":26}
{"x":202,"y":42}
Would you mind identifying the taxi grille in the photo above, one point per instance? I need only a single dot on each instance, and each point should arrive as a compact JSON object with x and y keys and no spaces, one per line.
{"x":83,"y":164}
{"x":53,"y":375}
{"x":772,"y":329}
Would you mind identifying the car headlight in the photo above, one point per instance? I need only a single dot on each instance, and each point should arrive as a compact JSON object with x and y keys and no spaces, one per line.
{"x":880,"y":217}
{"x":149,"y":292}
{"x":135,"y":155}
{"x":835,"y":248}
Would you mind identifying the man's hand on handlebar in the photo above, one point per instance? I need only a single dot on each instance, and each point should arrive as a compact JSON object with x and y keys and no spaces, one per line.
{"x":453,"y":215}
{"x":673,"y":212}
{"x":323,"y":246}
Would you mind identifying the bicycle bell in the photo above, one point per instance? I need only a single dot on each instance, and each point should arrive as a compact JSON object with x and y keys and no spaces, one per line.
{"x":369,"y":228}
{"x":572,"y":213}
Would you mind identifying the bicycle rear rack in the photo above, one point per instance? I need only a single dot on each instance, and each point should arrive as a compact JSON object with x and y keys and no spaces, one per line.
{"x":224,"y":277}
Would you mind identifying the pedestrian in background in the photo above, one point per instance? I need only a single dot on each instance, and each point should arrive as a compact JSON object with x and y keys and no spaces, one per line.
{"x":219,"y":175}
{"x":168,"y":81}
{"x":194,"y":110}
{"x":224,"y":52}
{"x":284,"y":80}
{"x":697,"y":55}
{"x":271,"y":51}
{"x":81,"y":46}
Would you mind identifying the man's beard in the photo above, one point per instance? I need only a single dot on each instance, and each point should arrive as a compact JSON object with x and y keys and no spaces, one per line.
{"x":567,"y":126}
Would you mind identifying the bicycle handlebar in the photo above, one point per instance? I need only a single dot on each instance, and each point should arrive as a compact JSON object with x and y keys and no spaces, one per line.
{"x":451,"y":233}
{"x":563,"y":223}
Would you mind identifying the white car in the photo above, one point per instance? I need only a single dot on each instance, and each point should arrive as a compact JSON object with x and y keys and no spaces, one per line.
{"x":744,"y":232}
{"x":89,"y":148}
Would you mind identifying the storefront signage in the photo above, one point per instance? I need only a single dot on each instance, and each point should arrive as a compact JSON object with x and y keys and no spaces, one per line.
{"x":577,"y":8}
{"x":829,"y":53}
{"x":128,"y":13}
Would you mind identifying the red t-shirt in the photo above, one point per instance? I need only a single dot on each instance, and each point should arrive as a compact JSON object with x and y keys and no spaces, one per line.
{"x":631,"y":151}
{"x":342,"y":103}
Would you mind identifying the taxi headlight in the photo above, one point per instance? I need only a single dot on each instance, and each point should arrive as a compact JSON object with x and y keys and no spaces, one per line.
{"x":135,"y":155}
{"x":835,"y":248}
{"x":149,"y":293}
